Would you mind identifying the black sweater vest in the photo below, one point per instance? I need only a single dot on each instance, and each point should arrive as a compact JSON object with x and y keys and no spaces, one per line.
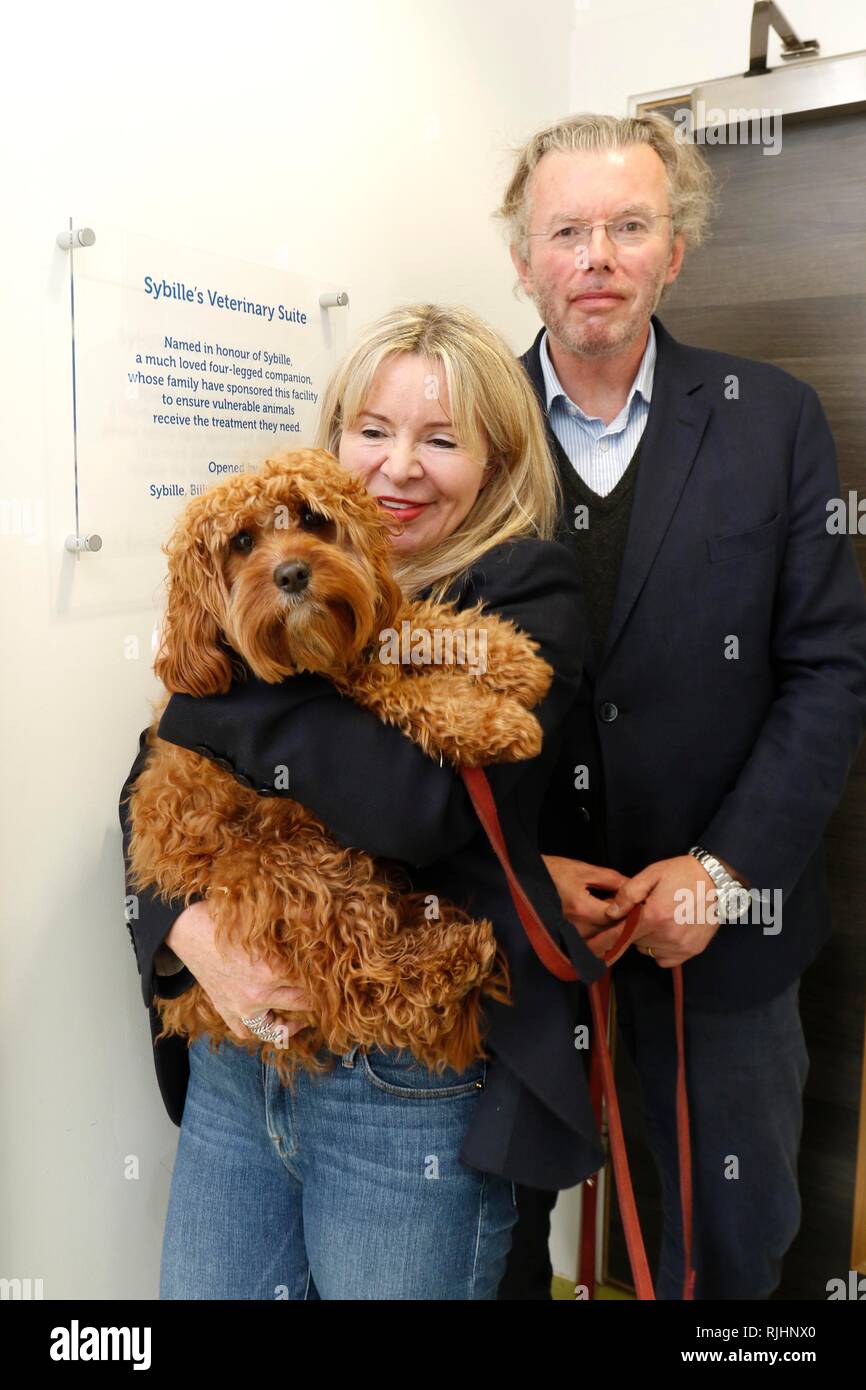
{"x":595,"y":529}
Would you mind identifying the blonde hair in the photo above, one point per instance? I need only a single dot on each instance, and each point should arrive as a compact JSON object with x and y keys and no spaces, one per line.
{"x":496,"y":417}
{"x":691,"y":184}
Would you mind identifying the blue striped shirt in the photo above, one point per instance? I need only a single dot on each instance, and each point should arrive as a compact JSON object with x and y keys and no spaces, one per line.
{"x":600,"y":453}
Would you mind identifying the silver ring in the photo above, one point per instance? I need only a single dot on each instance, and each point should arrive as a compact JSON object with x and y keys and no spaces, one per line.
{"x":254,"y":1023}
{"x":267,"y":1032}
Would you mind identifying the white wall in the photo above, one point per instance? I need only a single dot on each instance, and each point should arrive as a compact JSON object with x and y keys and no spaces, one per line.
{"x":364,"y":144}
{"x":623,"y":48}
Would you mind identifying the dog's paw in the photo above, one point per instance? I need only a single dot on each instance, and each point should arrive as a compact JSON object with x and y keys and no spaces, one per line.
{"x":494,"y":729}
{"x":481,"y":646}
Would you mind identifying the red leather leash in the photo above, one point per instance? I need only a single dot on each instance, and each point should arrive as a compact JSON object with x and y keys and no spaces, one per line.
{"x":601,"y":1068}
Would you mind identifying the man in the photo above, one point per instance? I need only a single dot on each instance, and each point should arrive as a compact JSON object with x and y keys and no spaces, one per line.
{"x":724,"y":697}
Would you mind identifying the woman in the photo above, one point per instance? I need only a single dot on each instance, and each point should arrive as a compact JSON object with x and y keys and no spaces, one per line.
{"x":382,"y":1179}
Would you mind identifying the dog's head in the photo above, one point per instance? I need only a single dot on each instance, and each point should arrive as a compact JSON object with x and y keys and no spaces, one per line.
{"x":289,"y":566}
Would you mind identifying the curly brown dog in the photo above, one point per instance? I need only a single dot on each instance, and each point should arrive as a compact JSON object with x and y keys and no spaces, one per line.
{"x":282,"y":570}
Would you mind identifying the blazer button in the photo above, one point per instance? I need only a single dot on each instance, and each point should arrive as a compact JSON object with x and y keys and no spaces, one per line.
{"x":224,"y":764}
{"x":265,"y":790}
{"x":203,"y":749}
{"x":243,"y":779}
{"x":608,"y":712}
{"x":583,"y":813}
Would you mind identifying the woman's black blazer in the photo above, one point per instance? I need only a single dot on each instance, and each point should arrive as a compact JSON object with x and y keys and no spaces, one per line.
{"x":377,"y":791}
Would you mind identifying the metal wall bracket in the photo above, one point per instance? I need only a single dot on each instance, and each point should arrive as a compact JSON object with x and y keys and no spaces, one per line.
{"x":72,"y":240}
{"x":79,"y":543}
{"x":767,"y":15}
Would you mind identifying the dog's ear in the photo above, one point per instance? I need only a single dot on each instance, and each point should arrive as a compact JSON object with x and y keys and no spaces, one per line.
{"x":191,"y":659}
{"x":389,"y":600}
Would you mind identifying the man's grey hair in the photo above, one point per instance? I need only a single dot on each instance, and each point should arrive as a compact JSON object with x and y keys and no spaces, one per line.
{"x":691,"y":183}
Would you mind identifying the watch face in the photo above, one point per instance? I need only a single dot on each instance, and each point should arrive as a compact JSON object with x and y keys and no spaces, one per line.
{"x":735,"y":903}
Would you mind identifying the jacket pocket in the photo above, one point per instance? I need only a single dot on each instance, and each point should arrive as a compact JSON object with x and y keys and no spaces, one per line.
{"x":743,"y":543}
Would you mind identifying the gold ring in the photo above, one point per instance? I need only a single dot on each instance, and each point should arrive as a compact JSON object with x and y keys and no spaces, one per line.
{"x":650,"y":952}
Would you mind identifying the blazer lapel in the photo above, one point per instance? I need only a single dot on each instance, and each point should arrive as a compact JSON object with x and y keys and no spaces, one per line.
{"x":674,"y":430}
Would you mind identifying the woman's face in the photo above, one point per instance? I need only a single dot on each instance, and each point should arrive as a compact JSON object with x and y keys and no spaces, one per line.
{"x":404,"y":449}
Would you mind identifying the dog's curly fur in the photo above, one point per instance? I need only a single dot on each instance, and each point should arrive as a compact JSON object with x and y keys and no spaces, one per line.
{"x":281,"y":570}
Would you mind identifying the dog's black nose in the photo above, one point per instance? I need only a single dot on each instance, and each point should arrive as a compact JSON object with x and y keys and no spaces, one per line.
{"x":292,"y":576}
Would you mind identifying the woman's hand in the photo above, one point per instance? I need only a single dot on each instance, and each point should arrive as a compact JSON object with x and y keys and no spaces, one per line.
{"x":573,"y":879}
{"x":236,"y":985}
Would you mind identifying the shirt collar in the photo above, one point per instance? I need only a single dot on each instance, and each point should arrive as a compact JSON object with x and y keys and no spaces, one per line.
{"x":643,"y":382}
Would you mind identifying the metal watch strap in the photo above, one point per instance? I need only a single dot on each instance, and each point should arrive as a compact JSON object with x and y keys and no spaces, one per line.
{"x":724,"y":881}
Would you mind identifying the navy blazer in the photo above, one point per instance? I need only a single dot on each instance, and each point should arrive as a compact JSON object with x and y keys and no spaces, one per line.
{"x":749,"y":756}
{"x":377,"y":791}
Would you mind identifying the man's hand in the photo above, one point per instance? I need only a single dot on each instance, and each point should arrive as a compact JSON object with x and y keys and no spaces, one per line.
{"x":672,"y":942}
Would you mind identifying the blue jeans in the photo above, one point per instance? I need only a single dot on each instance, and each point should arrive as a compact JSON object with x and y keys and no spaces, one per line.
{"x":745,"y":1072}
{"x":348,"y":1188}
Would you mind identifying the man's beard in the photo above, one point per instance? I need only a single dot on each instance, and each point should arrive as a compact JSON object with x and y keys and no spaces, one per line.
{"x":600,"y":337}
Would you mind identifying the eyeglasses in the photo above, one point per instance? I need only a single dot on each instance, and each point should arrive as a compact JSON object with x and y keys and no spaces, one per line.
{"x":629,"y":230}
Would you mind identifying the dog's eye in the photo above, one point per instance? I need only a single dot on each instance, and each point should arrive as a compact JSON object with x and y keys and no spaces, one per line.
{"x":312,"y":521}
{"x":243,"y":542}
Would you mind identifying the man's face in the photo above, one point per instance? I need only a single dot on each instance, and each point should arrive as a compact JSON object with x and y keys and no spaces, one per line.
{"x":597,"y":301}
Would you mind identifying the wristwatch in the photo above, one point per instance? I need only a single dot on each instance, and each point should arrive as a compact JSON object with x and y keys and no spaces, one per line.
{"x":733,"y":897}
